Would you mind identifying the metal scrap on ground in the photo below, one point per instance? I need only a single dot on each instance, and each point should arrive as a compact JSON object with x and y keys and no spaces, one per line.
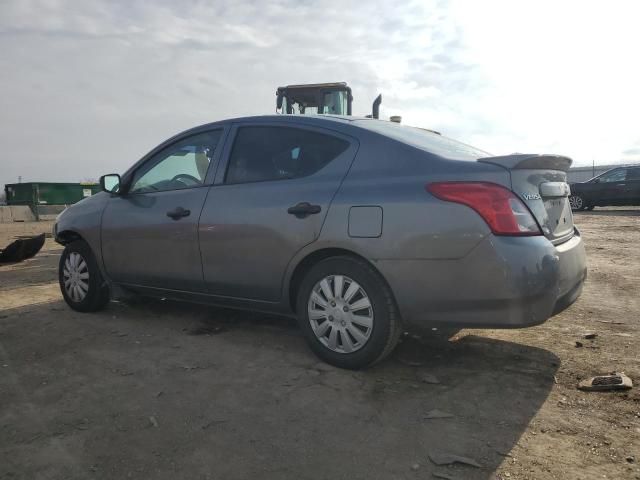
{"x":21,"y":249}
{"x":614,"y":381}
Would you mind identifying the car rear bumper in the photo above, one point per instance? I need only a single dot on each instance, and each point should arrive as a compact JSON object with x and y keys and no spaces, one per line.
{"x":505,"y":282}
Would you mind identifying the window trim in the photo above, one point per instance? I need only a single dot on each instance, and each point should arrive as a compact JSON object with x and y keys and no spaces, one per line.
{"x":223,"y":165}
{"x":613,"y":171}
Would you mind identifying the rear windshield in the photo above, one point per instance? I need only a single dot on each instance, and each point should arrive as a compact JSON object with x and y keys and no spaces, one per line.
{"x":424,"y":139}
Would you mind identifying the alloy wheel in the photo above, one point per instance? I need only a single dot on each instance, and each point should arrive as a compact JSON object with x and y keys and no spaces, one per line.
{"x":576,"y":202}
{"x":340,"y":313}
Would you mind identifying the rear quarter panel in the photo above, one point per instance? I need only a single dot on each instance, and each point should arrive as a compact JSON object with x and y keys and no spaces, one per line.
{"x":393,"y":176}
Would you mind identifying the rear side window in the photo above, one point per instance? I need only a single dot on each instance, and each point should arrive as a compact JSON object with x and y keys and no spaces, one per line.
{"x":633,"y":174}
{"x":276,"y":153}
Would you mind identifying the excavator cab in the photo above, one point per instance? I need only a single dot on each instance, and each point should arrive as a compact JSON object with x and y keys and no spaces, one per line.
{"x":323,"y":98}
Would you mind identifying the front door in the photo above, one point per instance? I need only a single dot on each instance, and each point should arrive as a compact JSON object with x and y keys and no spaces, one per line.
{"x":269,"y":201}
{"x":611,"y":186}
{"x":150,"y":231}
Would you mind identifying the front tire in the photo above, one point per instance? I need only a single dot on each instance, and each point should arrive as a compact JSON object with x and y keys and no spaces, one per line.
{"x":347,"y":313}
{"x":81,"y":282}
{"x":577,"y":202}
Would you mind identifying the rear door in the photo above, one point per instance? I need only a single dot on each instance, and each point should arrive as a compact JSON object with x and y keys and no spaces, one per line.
{"x":150,"y":232}
{"x":270,"y":198}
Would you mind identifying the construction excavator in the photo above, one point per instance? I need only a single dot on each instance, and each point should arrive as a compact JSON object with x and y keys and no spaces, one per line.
{"x":319,"y":98}
{"x":325,"y":98}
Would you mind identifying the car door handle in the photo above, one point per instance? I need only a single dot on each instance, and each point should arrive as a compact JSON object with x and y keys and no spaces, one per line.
{"x":304,"y":209}
{"x":178,"y":213}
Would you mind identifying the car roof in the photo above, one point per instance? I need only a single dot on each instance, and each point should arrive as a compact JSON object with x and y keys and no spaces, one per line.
{"x":315,"y":119}
{"x":352,"y":125}
{"x":294,"y":118}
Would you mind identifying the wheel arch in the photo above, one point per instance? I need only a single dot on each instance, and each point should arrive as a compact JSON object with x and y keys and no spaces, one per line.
{"x":67,"y":236}
{"x":312,"y":258}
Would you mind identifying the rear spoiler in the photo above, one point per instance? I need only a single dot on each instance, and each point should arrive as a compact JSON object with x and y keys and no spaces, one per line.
{"x":528,"y":161}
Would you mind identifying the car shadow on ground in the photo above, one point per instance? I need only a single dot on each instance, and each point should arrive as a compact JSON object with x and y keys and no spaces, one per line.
{"x":160,"y":389}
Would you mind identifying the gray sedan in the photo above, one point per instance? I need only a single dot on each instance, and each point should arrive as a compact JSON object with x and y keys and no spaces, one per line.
{"x":358,"y":227}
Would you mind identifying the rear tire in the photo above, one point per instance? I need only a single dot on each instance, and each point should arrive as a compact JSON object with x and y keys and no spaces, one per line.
{"x":355,"y":324}
{"x":81,"y":281}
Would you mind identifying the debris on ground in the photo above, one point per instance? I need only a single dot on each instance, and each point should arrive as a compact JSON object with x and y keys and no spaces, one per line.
{"x":323,"y":367}
{"x":590,"y":335}
{"x":631,"y":459}
{"x":503,"y":453}
{"x":578,"y":344}
{"x":189,"y":368}
{"x":21,"y":249}
{"x":435,"y":414}
{"x":207,"y":330}
{"x":444,"y":476}
{"x":415,"y":467}
{"x":211,"y":423}
{"x":428,"y":378}
{"x":153,"y":421}
{"x":613,"y":381}
{"x":410,"y":363}
{"x":449,"y":459}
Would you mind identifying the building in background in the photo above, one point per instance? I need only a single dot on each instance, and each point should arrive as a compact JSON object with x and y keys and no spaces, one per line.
{"x":47,"y":199}
{"x":582,"y":174}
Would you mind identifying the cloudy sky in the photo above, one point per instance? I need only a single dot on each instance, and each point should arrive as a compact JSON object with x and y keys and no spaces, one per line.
{"x":88,"y":86}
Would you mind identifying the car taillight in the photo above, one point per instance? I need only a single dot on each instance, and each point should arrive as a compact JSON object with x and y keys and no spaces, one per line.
{"x":498,"y":206}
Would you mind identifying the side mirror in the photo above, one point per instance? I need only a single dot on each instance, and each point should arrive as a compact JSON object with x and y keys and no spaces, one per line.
{"x":110,"y":183}
{"x":596,"y":180}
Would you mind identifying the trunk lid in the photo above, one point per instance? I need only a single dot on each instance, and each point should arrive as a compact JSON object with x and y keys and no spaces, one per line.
{"x":540,"y":181}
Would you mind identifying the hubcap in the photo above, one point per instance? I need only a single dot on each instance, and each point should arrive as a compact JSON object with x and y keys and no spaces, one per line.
{"x":340,"y":314}
{"x":575,"y":202}
{"x":76,"y":277}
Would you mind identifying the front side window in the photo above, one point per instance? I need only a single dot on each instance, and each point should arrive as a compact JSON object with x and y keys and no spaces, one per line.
{"x":276,"y":153}
{"x":181,"y":165}
{"x":615,"y":176}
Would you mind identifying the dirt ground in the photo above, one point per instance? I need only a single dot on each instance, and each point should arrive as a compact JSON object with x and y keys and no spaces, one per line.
{"x":163,"y":390}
